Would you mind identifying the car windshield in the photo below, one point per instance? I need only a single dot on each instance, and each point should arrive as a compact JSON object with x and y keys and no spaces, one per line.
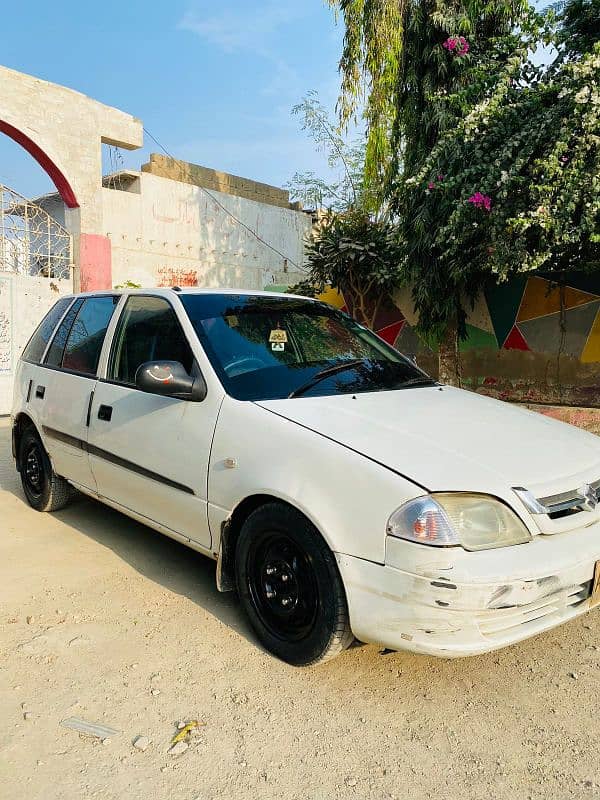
{"x":266,"y":348}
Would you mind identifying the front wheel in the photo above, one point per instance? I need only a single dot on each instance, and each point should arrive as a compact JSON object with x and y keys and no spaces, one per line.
{"x":44,"y":489}
{"x":290,"y":587}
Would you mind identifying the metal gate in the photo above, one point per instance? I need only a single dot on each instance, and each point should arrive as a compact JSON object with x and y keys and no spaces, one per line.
{"x":31,"y":241}
{"x":35,"y":269}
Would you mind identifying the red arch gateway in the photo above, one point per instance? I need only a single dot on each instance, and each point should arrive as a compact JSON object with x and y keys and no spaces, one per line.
{"x":62,"y":184}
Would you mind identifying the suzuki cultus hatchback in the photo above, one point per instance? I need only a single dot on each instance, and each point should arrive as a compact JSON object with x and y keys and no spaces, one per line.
{"x":341,"y":491}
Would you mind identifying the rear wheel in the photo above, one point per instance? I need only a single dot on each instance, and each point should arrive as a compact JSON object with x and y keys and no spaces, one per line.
{"x":44,"y":489}
{"x":290,"y":587}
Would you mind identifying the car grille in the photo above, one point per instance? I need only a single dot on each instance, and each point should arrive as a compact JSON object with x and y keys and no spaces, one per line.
{"x":565,"y":504}
{"x":527,"y":619}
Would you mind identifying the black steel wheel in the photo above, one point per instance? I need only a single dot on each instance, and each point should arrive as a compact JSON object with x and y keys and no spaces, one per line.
{"x":44,"y":489}
{"x":290,"y":586}
{"x":33,"y":469}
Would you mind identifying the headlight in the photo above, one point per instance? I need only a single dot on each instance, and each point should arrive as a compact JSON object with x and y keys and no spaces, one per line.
{"x":474,"y":521}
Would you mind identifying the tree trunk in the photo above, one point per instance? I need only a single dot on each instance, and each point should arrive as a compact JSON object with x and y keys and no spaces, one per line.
{"x":449,"y":357}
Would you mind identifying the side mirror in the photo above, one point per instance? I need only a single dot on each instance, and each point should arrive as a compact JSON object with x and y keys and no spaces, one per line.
{"x":169,"y":378}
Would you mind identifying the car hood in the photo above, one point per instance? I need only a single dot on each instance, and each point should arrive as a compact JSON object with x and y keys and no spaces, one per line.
{"x":447,"y":439}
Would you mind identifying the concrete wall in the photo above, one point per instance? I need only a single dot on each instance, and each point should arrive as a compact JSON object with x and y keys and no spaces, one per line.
{"x":217,"y":181}
{"x":165,"y":232}
{"x":23,"y":302}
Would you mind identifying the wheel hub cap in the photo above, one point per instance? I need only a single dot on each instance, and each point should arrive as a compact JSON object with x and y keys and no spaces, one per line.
{"x":33,"y":469}
{"x":280,"y":586}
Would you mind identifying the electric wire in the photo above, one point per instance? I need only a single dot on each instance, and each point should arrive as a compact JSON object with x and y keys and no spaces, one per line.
{"x":228,"y":212}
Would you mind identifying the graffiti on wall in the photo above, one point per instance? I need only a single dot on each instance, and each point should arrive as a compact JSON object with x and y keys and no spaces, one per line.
{"x":176,"y":276}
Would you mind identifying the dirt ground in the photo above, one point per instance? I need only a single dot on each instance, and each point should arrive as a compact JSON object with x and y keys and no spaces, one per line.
{"x":106,"y":620}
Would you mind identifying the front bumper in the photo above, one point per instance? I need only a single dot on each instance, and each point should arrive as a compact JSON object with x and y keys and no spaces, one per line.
{"x":469,"y":603}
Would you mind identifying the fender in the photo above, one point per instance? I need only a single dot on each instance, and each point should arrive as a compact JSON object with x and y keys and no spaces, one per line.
{"x":276,"y":458}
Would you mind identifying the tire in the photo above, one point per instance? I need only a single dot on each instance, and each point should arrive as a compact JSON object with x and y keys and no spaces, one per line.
{"x":44,"y":489}
{"x":290,"y":587}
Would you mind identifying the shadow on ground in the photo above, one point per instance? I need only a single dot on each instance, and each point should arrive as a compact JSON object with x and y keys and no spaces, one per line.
{"x":159,"y":558}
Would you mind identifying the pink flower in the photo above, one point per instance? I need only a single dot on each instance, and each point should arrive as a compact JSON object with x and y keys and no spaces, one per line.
{"x":440,"y":178}
{"x":431,"y":185}
{"x":457,"y":45}
{"x":480,"y":200}
{"x":463,"y":46}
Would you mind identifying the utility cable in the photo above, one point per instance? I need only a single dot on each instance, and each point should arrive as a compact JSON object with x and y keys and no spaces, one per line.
{"x":226,"y":210}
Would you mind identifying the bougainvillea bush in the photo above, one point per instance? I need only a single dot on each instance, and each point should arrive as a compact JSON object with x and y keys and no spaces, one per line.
{"x":521,"y":188}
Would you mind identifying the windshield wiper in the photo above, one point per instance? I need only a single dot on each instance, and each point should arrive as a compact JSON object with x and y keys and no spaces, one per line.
{"x":422,"y":380}
{"x":325,"y":373}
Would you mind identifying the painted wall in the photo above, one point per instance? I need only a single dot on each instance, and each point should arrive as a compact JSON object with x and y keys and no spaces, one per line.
{"x":528,"y":340}
{"x":166,"y":232}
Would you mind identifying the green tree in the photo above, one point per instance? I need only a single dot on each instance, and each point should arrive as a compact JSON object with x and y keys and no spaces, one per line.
{"x":580,"y":25}
{"x":359,"y":256}
{"x":492,"y":165}
{"x":419,"y":66}
{"x":520,"y":176}
{"x":346,"y":160}
{"x":353,"y":248}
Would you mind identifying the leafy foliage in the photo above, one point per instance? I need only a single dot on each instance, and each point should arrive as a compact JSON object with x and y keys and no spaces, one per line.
{"x":345,"y":158}
{"x":580,"y":25}
{"x":358,"y":256}
{"x":128,"y":285}
{"x":395,"y":61}
{"x":493,"y":165}
{"x":531,"y":146}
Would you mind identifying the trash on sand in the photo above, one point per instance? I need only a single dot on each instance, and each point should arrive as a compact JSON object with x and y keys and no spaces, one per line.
{"x":179,"y":737}
{"x":89,"y":728}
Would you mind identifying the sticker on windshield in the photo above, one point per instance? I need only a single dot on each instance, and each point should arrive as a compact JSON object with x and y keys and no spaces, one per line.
{"x":278,"y":336}
{"x":278,"y":346}
{"x":232,"y":320}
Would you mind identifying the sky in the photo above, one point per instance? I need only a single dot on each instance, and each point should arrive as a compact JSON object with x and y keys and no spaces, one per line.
{"x":214,"y":82}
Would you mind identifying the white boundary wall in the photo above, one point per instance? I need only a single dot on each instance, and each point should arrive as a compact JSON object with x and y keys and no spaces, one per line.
{"x":23,"y":302}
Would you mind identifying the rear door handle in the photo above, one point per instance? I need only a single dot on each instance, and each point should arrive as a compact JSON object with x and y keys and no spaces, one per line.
{"x":105,"y":413}
{"x":40,"y":391}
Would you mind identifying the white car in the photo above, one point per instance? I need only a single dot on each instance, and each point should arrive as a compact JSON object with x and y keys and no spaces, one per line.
{"x":342,"y":492}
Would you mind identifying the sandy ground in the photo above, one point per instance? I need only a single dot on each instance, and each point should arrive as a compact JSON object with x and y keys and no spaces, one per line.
{"x":106,"y":620}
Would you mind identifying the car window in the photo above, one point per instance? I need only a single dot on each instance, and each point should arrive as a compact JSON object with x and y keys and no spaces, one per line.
{"x":86,"y":337}
{"x":148,"y":331}
{"x":54,"y":356}
{"x":34,"y":350}
{"x":271,"y":347}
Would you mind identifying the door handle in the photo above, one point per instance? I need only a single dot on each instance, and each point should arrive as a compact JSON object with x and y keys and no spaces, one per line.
{"x":105,"y":413}
{"x":40,"y":391}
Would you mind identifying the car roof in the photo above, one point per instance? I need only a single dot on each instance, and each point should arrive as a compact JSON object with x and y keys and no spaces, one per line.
{"x":170,"y":291}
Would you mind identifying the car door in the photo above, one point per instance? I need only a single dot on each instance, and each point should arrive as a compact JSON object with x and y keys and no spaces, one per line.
{"x":30,"y":381}
{"x":65,"y":383}
{"x":149,"y":453}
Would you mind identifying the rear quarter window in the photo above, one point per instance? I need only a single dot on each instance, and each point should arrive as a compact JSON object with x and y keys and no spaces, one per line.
{"x":86,"y":337}
{"x":34,"y":350}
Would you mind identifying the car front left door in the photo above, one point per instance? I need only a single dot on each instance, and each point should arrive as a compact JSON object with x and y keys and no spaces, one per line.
{"x":150,"y":453}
